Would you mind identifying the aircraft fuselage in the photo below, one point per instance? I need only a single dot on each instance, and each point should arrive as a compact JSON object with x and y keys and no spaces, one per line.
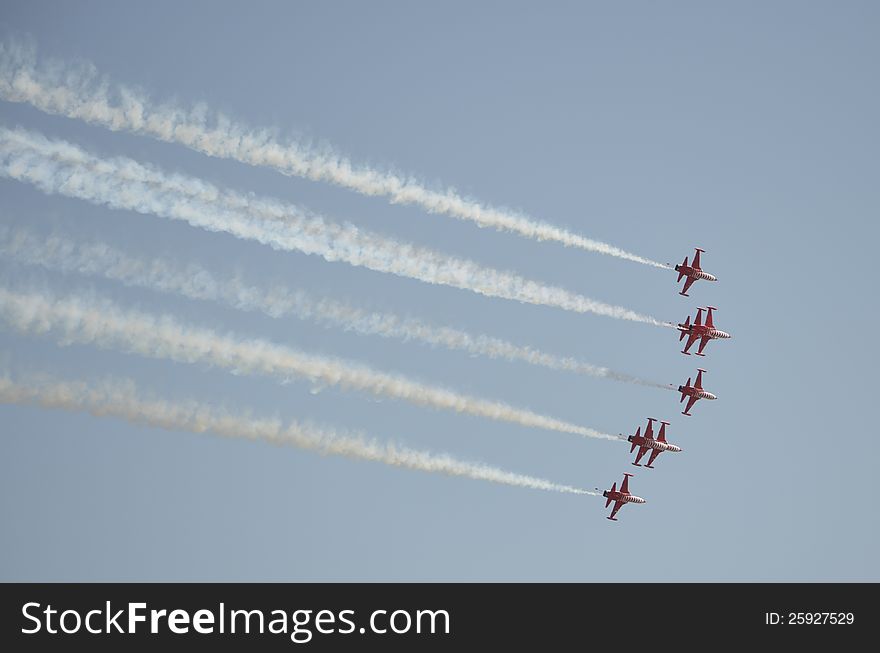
{"x":654,"y":444}
{"x":693,"y":392}
{"x":626,"y":498}
{"x":692,"y":273}
{"x":703,"y":332}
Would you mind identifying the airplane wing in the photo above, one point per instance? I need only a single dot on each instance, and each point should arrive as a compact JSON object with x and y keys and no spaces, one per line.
{"x":692,"y":338}
{"x":696,"y":263}
{"x":662,"y":436}
{"x":691,"y":402}
{"x":624,"y":487}
{"x":687,"y":283}
{"x":642,"y":451}
{"x":653,"y":457}
{"x":703,"y":344}
{"x":617,"y":505}
{"x":698,"y":384}
{"x":710,"y":322}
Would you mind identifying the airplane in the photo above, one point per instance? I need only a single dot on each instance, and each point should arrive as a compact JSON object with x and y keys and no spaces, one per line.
{"x":695,"y":392}
{"x":699,"y":331}
{"x":647,"y":441}
{"x":620,"y":496}
{"x":692,"y":272}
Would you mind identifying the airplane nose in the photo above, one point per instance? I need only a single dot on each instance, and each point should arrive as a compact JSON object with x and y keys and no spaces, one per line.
{"x":711,"y":396}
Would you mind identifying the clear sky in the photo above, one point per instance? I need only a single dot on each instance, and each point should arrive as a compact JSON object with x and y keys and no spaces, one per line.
{"x":747,"y":128}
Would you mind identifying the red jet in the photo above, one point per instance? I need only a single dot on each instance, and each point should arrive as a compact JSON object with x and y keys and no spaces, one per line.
{"x":620,"y":497}
{"x":692,"y":272}
{"x":699,"y":331}
{"x":695,"y":392}
{"x":647,"y":441}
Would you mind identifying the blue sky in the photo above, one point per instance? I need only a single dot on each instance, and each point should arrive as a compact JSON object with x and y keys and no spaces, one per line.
{"x":746,"y":128}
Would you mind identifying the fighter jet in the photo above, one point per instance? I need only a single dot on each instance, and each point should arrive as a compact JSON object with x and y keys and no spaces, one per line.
{"x":647,"y":441}
{"x":692,"y":272}
{"x":620,"y":497}
{"x":695,"y":392}
{"x":699,"y":331}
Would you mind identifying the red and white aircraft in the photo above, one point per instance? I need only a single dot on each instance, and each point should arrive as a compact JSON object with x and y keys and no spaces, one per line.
{"x":695,"y":392}
{"x":620,"y":497}
{"x":699,"y":331}
{"x":692,"y":272}
{"x":647,"y":441}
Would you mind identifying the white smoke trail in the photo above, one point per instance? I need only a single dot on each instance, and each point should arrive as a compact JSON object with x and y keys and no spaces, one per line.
{"x":82,"y":320}
{"x":60,"y":167}
{"x":60,"y":253}
{"x":120,"y":398}
{"x":79,"y":92}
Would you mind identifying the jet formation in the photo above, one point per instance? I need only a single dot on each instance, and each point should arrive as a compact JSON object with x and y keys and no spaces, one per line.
{"x":698,"y":330}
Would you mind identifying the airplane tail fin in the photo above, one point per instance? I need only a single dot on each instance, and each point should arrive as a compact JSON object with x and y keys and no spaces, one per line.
{"x":686,"y":325}
{"x":638,"y":433}
{"x":681,"y":274}
{"x":613,"y":489}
